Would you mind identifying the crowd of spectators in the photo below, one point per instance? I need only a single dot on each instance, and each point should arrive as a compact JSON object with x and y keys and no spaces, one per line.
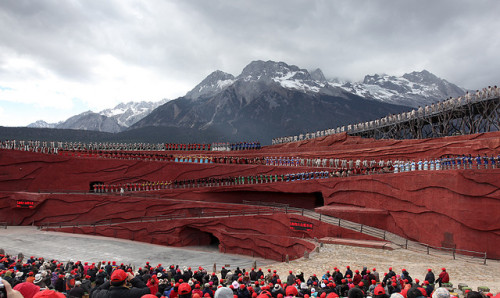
{"x":37,"y":277}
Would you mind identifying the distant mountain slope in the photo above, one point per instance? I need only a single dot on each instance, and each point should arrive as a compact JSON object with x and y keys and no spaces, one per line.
{"x":110,"y":120}
{"x":412,"y":89}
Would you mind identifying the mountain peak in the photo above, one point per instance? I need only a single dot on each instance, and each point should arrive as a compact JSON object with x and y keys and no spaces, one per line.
{"x":318,"y":75}
{"x":268,"y":70}
{"x":422,"y":77}
{"x":214,"y":82}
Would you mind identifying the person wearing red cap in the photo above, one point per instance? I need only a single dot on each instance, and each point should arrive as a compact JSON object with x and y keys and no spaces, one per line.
{"x":348,"y":272}
{"x":379,"y":292}
{"x":290,"y":280}
{"x":429,"y":288}
{"x":375,"y":273}
{"x":443,"y":278}
{"x":48,"y":294}
{"x":406,"y":275}
{"x":243,"y":292}
{"x":389,"y":275}
{"x":117,"y":286}
{"x":430,"y":276}
{"x":357,"y":277}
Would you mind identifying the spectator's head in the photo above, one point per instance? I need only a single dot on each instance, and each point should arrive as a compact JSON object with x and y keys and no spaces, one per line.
{"x":28,"y":289}
{"x":355,"y":293}
{"x":441,"y":293}
{"x":49,"y":294}
{"x":184,"y":290}
{"x":379,"y":292}
{"x":118,"y":278}
{"x":414,"y":292}
{"x":474,"y":294}
{"x":223,"y":293}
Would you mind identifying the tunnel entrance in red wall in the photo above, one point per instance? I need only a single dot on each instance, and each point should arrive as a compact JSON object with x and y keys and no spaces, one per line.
{"x":195,"y":237}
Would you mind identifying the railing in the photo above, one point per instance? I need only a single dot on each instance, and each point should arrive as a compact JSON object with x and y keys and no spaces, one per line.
{"x":395,"y":239}
{"x":201,"y":214}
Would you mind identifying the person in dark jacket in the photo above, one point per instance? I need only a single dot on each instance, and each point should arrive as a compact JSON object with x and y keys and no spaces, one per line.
{"x":116,"y":288}
{"x":77,"y":291}
{"x":59,"y":284}
{"x":430,"y":276}
{"x":290,"y":280}
{"x":243,"y":292}
{"x":99,"y":279}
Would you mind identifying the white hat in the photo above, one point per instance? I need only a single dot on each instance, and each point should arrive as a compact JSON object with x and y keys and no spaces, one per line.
{"x":38,"y":278}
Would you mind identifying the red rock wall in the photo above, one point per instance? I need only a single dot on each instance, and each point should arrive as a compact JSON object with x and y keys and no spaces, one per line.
{"x":260,"y":234}
{"x":443,"y":208}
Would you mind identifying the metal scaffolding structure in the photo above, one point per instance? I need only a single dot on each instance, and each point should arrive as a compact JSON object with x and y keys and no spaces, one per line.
{"x":451,"y":118}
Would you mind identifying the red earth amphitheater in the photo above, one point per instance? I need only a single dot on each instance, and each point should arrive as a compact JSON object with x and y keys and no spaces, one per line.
{"x":262,"y":210}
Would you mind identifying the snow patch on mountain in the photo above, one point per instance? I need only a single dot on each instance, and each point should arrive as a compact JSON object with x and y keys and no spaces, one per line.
{"x":413,"y":89}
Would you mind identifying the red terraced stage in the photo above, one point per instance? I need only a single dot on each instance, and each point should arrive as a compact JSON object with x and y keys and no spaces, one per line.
{"x":449,"y":208}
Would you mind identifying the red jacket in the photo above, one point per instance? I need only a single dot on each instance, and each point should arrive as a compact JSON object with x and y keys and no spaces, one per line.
{"x":445,"y":278}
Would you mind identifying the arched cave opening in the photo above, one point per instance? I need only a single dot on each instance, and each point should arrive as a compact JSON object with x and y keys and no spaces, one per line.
{"x":92,"y":184}
{"x":319,"y":201}
{"x":195,"y":237}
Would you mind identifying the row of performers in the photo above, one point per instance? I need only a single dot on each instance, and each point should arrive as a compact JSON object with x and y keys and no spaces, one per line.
{"x":223,"y":181}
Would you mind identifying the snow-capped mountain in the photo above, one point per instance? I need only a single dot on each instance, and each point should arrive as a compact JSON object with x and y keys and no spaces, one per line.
{"x":42,"y":124}
{"x":109,"y":120}
{"x":129,"y":113}
{"x":266,"y":100}
{"x":412,"y":89}
{"x":212,"y":84}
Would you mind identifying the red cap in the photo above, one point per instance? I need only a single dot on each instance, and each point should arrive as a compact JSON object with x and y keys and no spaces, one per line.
{"x":118,"y":275}
{"x":332,"y":295}
{"x":379,"y":291}
{"x":49,"y":294}
{"x":444,"y":269}
{"x":291,"y":291}
{"x":429,"y":269}
{"x":290,"y":271}
{"x":184,"y":289}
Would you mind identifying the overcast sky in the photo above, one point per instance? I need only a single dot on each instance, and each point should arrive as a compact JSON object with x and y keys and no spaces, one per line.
{"x":59,"y":58}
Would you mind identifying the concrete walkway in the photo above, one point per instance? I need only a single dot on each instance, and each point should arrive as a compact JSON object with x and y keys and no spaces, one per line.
{"x":87,"y":248}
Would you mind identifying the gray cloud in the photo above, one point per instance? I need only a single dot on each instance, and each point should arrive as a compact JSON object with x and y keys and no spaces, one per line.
{"x":186,"y":40}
